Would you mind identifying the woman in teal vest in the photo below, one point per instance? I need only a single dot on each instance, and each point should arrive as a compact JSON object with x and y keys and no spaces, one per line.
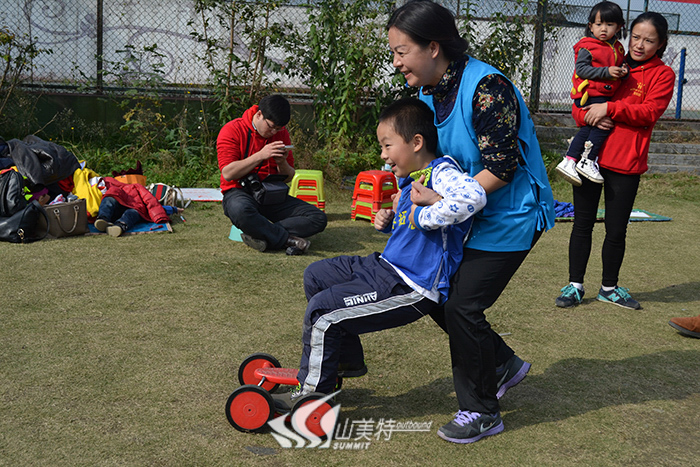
{"x":485,"y":125}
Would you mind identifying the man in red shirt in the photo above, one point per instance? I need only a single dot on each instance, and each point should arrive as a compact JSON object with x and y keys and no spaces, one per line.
{"x":258,"y":143}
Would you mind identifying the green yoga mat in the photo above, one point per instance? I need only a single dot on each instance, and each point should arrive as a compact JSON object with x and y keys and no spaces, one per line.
{"x":641,"y":215}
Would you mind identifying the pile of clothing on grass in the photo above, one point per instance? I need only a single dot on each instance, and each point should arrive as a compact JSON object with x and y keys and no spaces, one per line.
{"x":46,"y":191}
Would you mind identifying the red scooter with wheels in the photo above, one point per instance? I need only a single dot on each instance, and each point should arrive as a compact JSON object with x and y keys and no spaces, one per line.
{"x":253,"y":404}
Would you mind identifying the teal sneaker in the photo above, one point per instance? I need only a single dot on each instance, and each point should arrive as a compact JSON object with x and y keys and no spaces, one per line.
{"x":619,"y":296}
{"x":570,"y":296}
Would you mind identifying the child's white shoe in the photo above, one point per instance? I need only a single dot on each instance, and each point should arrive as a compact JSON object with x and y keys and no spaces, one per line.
{"x":589,"y":169}
{"x":567,"y":169}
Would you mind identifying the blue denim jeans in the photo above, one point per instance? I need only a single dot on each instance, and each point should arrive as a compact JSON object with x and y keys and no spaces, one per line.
{"x":112,"y":211}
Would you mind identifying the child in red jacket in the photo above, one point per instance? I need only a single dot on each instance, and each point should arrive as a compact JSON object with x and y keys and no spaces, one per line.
{"x":599,"y":65}
{"x":125,"y":205}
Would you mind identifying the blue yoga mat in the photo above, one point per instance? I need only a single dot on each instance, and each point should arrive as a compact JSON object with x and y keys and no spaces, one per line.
{"x":565,"y":213}
{"x":140,"y":228}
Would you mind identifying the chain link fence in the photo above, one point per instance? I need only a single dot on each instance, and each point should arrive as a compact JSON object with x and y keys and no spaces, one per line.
{"x":185,"y":46}
{"x":681,"y":53}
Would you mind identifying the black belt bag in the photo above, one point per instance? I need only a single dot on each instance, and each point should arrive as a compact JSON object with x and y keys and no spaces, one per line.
{"x":270,"y":191}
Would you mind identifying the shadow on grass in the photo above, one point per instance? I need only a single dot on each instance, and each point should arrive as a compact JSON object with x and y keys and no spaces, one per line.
{"x":576,"y":386}
{"x":432,"y":398}
{"x":671,"y":294}
{"x":566,"y":389}
{"x":338,"y":216}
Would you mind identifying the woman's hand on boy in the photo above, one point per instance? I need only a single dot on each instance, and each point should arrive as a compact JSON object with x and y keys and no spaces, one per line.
{"x":421,"y":195}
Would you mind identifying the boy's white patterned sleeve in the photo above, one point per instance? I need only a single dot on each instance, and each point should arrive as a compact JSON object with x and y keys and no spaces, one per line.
{"x":462,"y":197}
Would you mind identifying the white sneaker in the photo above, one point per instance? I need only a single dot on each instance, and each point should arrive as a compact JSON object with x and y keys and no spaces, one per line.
{"x":589,"y":169}
{"x":567,"y":169}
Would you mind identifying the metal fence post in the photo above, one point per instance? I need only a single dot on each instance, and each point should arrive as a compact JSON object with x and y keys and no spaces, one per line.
{"x":681,"y":82}
{"x":99,"y":54}
{"x":537,"y":56}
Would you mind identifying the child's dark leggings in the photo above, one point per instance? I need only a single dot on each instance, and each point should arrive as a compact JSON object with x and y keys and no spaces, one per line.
{"x":588,"y":133}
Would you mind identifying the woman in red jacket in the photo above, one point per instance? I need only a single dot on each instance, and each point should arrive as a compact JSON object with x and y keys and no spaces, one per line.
{"x":632,"y":113}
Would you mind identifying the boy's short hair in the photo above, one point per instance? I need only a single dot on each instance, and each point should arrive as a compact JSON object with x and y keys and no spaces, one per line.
{"x":411,"y":117}
{"x":275,"y":108}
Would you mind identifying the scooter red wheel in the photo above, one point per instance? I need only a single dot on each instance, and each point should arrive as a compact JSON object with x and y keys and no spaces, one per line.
{"x":313,"y":420}
{"x":249,"y":408}
{"x":246,"y":372}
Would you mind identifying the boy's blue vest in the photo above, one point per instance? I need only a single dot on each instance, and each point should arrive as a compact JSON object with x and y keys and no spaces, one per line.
{"x":429,"y":258}
{"x":515,"y":212}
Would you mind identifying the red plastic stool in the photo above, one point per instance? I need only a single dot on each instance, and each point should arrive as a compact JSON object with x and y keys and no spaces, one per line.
{"x":374,"y":187}
{"x":365,"y":210}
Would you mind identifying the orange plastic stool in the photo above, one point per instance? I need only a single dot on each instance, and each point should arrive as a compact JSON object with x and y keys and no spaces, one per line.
{"x":131,"y":178}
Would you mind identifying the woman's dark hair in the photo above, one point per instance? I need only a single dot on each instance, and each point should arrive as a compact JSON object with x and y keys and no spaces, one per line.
{"x":424,"y":21}
{"x":410,"y":117}
{"x":659,"y":23}
{"x":609,"y":13}
{"x":275,"y":108}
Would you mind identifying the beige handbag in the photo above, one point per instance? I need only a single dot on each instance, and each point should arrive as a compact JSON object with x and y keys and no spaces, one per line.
{"x":67,"y":219}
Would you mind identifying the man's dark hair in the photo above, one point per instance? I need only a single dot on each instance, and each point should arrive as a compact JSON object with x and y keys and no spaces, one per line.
{"x":411,"y":117}
{"x":275,"y":108}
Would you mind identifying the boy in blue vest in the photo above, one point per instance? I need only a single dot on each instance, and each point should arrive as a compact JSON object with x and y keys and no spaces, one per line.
{"x":352,"y":295}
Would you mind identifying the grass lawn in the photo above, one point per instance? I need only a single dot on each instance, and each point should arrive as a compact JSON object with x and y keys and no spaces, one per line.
{"x":124,"y":351}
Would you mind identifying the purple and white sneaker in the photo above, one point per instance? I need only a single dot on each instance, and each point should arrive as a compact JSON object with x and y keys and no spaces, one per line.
{"x":510,"y":373}
{"x":469,"y":427}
